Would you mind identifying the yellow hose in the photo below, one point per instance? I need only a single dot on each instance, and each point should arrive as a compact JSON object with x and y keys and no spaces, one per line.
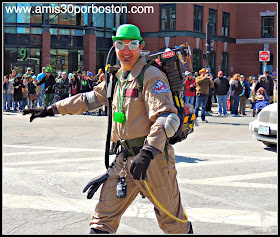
{"x":162,"y":208}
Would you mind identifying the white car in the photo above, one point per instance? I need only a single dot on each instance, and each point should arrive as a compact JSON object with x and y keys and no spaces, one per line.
{"x":264,"y":127}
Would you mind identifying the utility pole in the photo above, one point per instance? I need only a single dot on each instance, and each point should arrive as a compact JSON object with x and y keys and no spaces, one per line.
{"x":209,"y":41}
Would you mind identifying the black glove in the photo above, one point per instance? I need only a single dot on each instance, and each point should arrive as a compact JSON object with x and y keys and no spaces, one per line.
{"x":94,"y":184}
{"x":41,"y":112}
{"x":140,"y":164}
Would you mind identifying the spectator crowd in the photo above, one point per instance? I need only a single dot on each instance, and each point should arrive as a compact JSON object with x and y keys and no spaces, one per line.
{"x":231,"y":93}
{"x":31,"y":91}
{"x":200,"y":89}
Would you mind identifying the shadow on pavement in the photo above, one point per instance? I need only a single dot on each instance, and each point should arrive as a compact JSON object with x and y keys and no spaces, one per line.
{"x":187,"y":159}
{"x":9,"y":113}
{"x":273,"y":149}
{"x":235,"y":124}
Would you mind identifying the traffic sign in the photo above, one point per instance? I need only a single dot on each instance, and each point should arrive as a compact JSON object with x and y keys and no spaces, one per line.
{"x":264,"y":56}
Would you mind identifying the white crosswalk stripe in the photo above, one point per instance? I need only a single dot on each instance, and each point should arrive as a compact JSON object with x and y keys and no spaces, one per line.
{"x":143,"y":209}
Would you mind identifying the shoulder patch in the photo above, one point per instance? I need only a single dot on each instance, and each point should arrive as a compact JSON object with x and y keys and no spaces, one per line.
{"x":160,"y":87}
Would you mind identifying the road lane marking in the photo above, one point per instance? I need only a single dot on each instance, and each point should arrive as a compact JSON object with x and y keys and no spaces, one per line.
{"x":217,"y":162}
{"x":200,"y":155}
{"x":81,"y":174}
{"x":143,"y":210}
{"x":52,"y":148}
{"x":70,"y":160}
{"x":230,"y":180}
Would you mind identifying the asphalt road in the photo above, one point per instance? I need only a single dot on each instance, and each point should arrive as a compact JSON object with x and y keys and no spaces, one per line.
{"x":227,"y":179}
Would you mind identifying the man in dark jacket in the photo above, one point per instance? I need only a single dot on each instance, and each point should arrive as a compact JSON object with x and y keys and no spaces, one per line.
{"x":49,"y":81}
{"x":18,"y":85}
{"x":221,"y":87}
{"x":63,"y":85}
{"x":271,"y":83}
{"x":208,"y":109}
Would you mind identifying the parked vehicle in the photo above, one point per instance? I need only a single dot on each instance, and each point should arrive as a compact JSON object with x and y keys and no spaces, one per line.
{"x":264,"y":127}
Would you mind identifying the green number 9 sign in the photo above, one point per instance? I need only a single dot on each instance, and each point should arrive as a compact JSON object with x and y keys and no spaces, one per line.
{"x":23,"y":53}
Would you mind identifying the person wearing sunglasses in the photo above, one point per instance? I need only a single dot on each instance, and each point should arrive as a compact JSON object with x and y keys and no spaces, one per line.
{"x":142,"y":123}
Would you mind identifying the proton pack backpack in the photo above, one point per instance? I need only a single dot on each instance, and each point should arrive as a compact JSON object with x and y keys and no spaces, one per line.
{"x":169,"y":63}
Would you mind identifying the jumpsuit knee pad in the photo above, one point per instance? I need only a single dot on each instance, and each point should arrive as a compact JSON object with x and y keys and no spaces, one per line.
{"x":170,"y":122}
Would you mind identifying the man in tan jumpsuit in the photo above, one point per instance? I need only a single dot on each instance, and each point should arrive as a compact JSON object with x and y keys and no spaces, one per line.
{"x":147,"y":114}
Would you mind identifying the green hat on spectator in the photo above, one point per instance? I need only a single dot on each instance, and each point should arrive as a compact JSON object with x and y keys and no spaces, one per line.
{"x":49,"y":69}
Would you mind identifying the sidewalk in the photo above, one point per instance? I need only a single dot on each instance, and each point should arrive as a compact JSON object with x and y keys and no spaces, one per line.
{"x":248,"y":111}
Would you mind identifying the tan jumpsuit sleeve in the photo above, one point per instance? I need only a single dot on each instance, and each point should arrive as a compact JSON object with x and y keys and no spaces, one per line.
{"x":156,"y":104}
{"x":82,"y":102}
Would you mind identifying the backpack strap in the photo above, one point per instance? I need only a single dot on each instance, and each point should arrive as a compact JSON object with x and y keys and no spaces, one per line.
{"x":140,"y":78}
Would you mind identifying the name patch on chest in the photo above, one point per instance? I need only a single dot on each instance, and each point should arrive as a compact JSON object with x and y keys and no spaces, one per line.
{"x":131,"y":93}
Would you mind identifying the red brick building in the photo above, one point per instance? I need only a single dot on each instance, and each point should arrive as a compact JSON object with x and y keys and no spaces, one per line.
{"x":70,"y":41}
{"x":241,"y":31}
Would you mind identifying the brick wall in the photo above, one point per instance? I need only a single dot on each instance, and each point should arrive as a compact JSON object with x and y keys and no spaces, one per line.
{"x":46,"y":49}
{"x":89,"y":52}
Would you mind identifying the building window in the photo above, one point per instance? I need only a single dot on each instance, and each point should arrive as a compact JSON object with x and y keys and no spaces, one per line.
{"x":225,"y":24}
{"x":101,"y":59}
{"x":26,"y":40}
{"x":225,"y":63}
{"x":213,"y":20}
{"x":36,"y":18}
{"x":197,"y":60}
{"x":13,"y":16}
{"x":20,"y":58}
{"x":104,"y":22}
{"x":167,"y":17}
{"x":66,"y":16}
{"x":197,"y":20}
{"x":67,"y":60}
{"x":268,"y":26}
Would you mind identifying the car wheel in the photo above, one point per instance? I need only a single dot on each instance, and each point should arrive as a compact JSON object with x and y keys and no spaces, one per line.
{"x":269,"y":144}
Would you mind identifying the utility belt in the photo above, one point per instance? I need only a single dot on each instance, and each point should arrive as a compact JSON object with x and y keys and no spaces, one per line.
{"x":131,"y":147}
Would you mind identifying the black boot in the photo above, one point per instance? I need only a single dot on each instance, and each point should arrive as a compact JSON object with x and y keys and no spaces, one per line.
{"x":191,"y":230}
{"x":95,"y":231}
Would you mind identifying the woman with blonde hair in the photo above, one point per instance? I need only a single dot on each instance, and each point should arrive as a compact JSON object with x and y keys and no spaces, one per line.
{"x":252,"y":88}
{"x":235,"y":90}
{"x":101,"y":78}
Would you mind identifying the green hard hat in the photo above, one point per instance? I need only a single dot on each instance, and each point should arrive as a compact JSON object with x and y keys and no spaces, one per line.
{"x":128,"y":31}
